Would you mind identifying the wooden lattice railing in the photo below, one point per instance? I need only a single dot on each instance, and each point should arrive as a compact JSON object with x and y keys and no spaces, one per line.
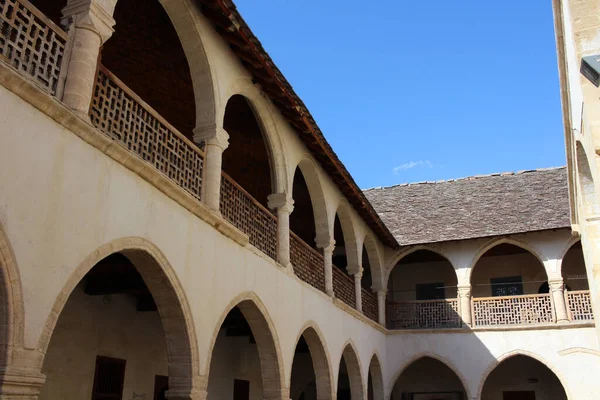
{"x":343,"y":287}
{"x":369,"y":304}
{"x":423,"y":314}
{"x":308,"y":263}
{"x":122,"y":115}
{"x":249,"y":216}
{"x":31,"y":43}
{"x":511,"y":310}
{"x":579,"y":304}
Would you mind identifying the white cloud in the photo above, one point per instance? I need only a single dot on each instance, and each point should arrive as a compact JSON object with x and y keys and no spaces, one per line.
{"x":411,"y":165}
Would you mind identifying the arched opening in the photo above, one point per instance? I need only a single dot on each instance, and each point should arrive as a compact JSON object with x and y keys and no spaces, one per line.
{"x":507,"y":270}
{"x":428,"y":378}
{"x":247,"y":159}
{"x":350,"y":384}
{"x":121,"y":331}
{"x":522,"y":378}
{"x":375,"y":381}
{"x":244,"y":361}
{"x":302,"y":219}
{"x":144,"y":36}
{"x":586,"y":186}
{"x":309,"y":357}
{"x":51,"y":9}
{"x":340,"y":255}
{"x":422,"y":292}
{"x":573,"y":269}
{"x":367,"y":278}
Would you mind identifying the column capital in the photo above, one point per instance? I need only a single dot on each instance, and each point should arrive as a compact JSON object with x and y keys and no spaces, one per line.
{"x":20,"y":382}
{"x":93,"y":15}
{"x":212,"y":135}
{"x":354,"y":269}
{"x":464,"y":291}
{"x":326,"y":245}
{"x":556,"y":285}
{"x":281,"y":202}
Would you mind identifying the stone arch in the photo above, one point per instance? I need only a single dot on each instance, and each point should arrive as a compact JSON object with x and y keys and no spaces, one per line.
{"x":169,"y":296}
{"x":498,"y":241}
{"x":436,"y":357}
{"x":309,"y":171}
{"x":350,"y":357}
{"x":525,"y":353}
{"x":320,"y":357}
{"x":376,"y":375}
{"x":370,"y":244}
{"x":265,"y":334}
{"x":12,"y":308}
{"x":395,"y":259}
{"x":350,"y":238}
{"x":585,"y":182}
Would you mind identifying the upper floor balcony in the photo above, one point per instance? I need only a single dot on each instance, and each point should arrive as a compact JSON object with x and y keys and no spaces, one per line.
{"x":143,"y":97}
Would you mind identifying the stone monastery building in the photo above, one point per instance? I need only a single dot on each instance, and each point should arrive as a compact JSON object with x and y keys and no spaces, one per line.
{"x":174,"y":225}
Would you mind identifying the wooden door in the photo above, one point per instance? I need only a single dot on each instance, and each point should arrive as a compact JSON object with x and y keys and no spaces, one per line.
{"x":522,"y":395}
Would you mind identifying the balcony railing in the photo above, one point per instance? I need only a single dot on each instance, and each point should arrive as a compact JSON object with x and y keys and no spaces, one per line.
{"x":123,"y":116}
{"x":423,"y":314}
{"x":31,"y":43}
{"x":307,"y":262}
{"x":343,"y":287}
{"x":249,"y":216}
{"x":513,"y":310}
{"x":579,"y":305}
{"x":369,"y":304}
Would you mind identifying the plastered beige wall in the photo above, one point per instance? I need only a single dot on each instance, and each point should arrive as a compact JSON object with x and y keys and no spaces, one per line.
{"x":405,"y":277}
{"x":525,"y":265}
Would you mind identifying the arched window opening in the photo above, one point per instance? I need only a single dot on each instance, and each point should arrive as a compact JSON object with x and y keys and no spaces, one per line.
{"x":302,"y":220}
{"x":51,"y":9}
{"x":422,"y":275}
{"x":340,"y":256}
{"x":110,"y":326}
{"x":522,"y":377}
{"x":573,"y":269}
{"x":367,"y":278}
{"x":244,"y":361}
{"x":246,"y":159}
{"x":507,"y":270}
{"x":145,"y":53}
{"x":428,"y":378}
{"x":303,"y":385}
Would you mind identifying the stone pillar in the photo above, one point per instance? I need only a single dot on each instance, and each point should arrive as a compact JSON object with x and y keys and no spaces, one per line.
{"x":284,"y":206}
{"x":328,"y":248}
{"x":381,"y":297}
{"x":557,"y":291}
{"x":464,"y":304}
{"x":93,"y":26}
{"x":20,"y":383}
{"x":357,"y":289}
{"x":217,"y":141}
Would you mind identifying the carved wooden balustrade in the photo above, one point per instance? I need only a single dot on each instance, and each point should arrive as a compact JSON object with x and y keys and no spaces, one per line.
{"x":423,"y":314}
{"x":513,"y":310}
{"x":118,"y":112}
{"x":31,"y":43}
{"x":369,"y":304}
{"x":248,"y":215}
{"x":579,"y":304}
{"x":307,"y":262}
{"x":343,"y":287}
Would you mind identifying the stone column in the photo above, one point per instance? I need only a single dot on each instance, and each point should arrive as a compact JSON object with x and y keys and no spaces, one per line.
{"x":20,"y":383}
{"x":381,"y":297}
{"x":464,"y":303}
{"x":357,"y":289}
{"x":217,"y":141}
{"x":557,"y":291}
{"x":284,"y":206}
{"x":93,"y":26}
{"x":328,"y":248}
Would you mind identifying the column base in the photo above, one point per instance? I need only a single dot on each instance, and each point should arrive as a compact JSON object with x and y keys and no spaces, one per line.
{"x":20,"y":383}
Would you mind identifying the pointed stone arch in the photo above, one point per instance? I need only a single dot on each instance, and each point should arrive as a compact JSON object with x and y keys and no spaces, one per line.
{"x":394,"y":260}
{"x":350,"y":357}
{"x":375,"y":261}
{"x":585,"y":182}
{"x":376,"y":376}
{"x":170,"y":299}
{"x":350,"y":238}
{"x":267,"y":342}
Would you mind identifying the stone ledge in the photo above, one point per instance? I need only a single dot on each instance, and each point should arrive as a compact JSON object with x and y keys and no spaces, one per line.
{"x":26,"y":89}
{"x":498,"y":328}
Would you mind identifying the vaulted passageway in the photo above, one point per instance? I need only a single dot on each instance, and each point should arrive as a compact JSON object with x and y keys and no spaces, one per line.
{"x":428,"y":378}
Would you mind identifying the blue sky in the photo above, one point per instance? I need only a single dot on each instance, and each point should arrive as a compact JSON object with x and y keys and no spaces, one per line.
{"x":408,"y":91}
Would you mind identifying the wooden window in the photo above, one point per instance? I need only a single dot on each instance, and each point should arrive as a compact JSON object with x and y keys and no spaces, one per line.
{"x":507,"y":286}
{"x":108,"y":379}
{"x":430,"y":291}
{"x":241,"y":389}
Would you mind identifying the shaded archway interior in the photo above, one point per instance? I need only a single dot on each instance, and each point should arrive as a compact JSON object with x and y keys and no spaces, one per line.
{"x":422,"y":275}
{"x":303,"y":385}
{"x":573,"y":269}
{"x":344,"y":391}
{"x":340,"y":256}
{"x":522,"y":376}
{"x":51,"y":9}
{"x":367,"y":278}
{"x":146,"y":54}
{"x":246,"y":159}
{"x":507,"y":270}
{"x":428,"y":378}
{"x":302,"y":219}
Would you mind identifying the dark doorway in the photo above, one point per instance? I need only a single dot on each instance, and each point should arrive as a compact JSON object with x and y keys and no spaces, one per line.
{"x":523,"y":395}
{"x":241,"y":389}
{"x":108,"y":379}
{"x":161,"y":385}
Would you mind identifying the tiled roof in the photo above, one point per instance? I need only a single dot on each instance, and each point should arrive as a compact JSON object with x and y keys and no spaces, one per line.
{"x":478,"y":206}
